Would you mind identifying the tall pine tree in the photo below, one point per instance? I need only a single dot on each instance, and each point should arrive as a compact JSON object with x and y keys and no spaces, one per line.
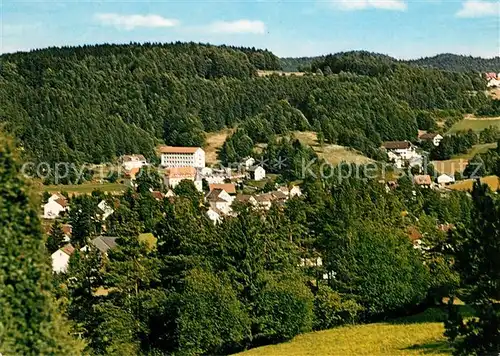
{"x":30,"y":323}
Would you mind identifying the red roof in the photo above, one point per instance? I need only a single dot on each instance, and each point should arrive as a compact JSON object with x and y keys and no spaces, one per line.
{"x":181,"y":172}
{"x":68,"y":249}
{"x":171,"y":149}
{"x":62,"y":202}
{"x":228,"y":187}
{"x":422,"y":180}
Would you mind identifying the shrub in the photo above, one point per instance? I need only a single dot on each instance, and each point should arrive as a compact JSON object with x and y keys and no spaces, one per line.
{"x":284,"y":309}
{"x":331,"y":310}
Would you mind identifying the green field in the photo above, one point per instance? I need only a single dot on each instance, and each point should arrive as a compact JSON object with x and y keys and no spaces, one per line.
{"x":476,"y":149}
{"x":84,"y":188}
{"x":417,"y":335}
{"x":475,"y":124}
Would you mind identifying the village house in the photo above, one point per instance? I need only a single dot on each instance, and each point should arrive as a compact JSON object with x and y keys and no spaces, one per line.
{"x":295,"y":191}
{"x":174,"y":175}
{"x":229,"y":188}
{"x":247,"y":163}
{"x":170,"y":194}
{"x":246,"y":199}
{"x":158,"y":195}
{"x":264,"y":201}
{"x":172,"y":157}
{"x":56,"y":205}
{"x":401,"y":153}
{"x":106,"y":209}
{"x":103,"y":244}
{"x":434,"y":138}
{"x":423,"y":180}
{"x":445,"y":179}
{"x":133,"y":161}
{"x":256,"y":173}
{"x":220,"y":200}
{"x":60,"y":258}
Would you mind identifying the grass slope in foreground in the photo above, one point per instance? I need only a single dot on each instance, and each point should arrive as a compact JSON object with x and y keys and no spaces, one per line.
{"x":417,"y":335}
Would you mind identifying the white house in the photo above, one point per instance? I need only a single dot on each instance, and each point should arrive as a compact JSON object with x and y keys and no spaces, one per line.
{"x":435,"y":138}
{"x":247,"y":163}
{"x":246,"y":199}
{"x":256,"y":173}
{"x":182,"y":157}
{"x":403,"y":149}
{"x":445,"y":179}
{"x":133,"y":161}
{"x":56,"y":204}
{"x":106,"y":209}
{"x":220,"y":200}
{"x":295,"y":191}
{"x":60,"y":258}
{"x":215,"y":215}
{"x":174,"y":175}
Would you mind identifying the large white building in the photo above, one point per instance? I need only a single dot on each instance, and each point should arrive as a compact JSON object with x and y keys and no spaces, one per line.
{"x":172,"y":157}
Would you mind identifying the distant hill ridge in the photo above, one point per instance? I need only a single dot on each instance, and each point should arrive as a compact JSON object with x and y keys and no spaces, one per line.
{"x":445,"y":61}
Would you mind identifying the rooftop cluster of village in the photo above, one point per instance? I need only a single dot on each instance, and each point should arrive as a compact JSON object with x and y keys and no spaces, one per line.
{"x":404,"y":154}
{"x":179,"y":164}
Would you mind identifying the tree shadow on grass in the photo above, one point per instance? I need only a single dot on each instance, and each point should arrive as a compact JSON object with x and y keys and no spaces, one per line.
{"x":433,"y":315}
{"x":434,"y":347}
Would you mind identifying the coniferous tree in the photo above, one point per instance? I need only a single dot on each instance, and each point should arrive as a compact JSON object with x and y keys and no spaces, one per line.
{"x":30,"y":321}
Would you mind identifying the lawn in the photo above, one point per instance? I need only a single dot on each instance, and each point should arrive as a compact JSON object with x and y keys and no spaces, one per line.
{"x":492,"y":181}
{"x":476,"y":149}
{"x":333,"y":154}
{"x":474,"y":123}
{"x":417,"y":335}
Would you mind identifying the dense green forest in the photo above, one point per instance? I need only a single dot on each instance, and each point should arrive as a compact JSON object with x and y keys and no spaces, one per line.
{"x":446,"y":61}
{"x":94,"y":103}
{"x":459,"y":63}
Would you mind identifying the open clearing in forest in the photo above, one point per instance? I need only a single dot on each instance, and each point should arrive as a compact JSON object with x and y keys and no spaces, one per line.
{"x":416,"y":335}
{"x":476,"y":124}
{"x":213,"y":142}
{"x":333,"y":154}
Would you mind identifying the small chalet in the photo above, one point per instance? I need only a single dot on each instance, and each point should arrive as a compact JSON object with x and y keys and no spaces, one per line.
{"x":247,"y":163}
{"x":256,"y":173}
{"x":106,"y":209}
{"x":229,"y":188}
{"x":60,"y":258}
{"x":246,"y":199}
{"x":55,"y":206}
{"x":423,"y":180}
{"x":133,"y":161}
{"x":220,"y":200}
{"x":434,"y":138}
{"x":445,"y":179}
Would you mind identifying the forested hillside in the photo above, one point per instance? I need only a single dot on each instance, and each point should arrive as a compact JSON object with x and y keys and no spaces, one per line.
{"x":93,"y":103}
{"x":458,"y":63}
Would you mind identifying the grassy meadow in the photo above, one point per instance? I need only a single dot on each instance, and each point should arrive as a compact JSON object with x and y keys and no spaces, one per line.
{"x":465,"y":185}
{"x":421,"y":334}
{"x":333,"y":154}
{"x":475,"y":124}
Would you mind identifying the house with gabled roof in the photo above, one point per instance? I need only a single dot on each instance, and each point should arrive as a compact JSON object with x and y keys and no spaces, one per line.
{"x":175,"y":175}
{"x":220,"y":200}
{"x":55,"y":206}
{"x":229,"y":188}
{"x":434,"y":138}
{"x":60,"y":258}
